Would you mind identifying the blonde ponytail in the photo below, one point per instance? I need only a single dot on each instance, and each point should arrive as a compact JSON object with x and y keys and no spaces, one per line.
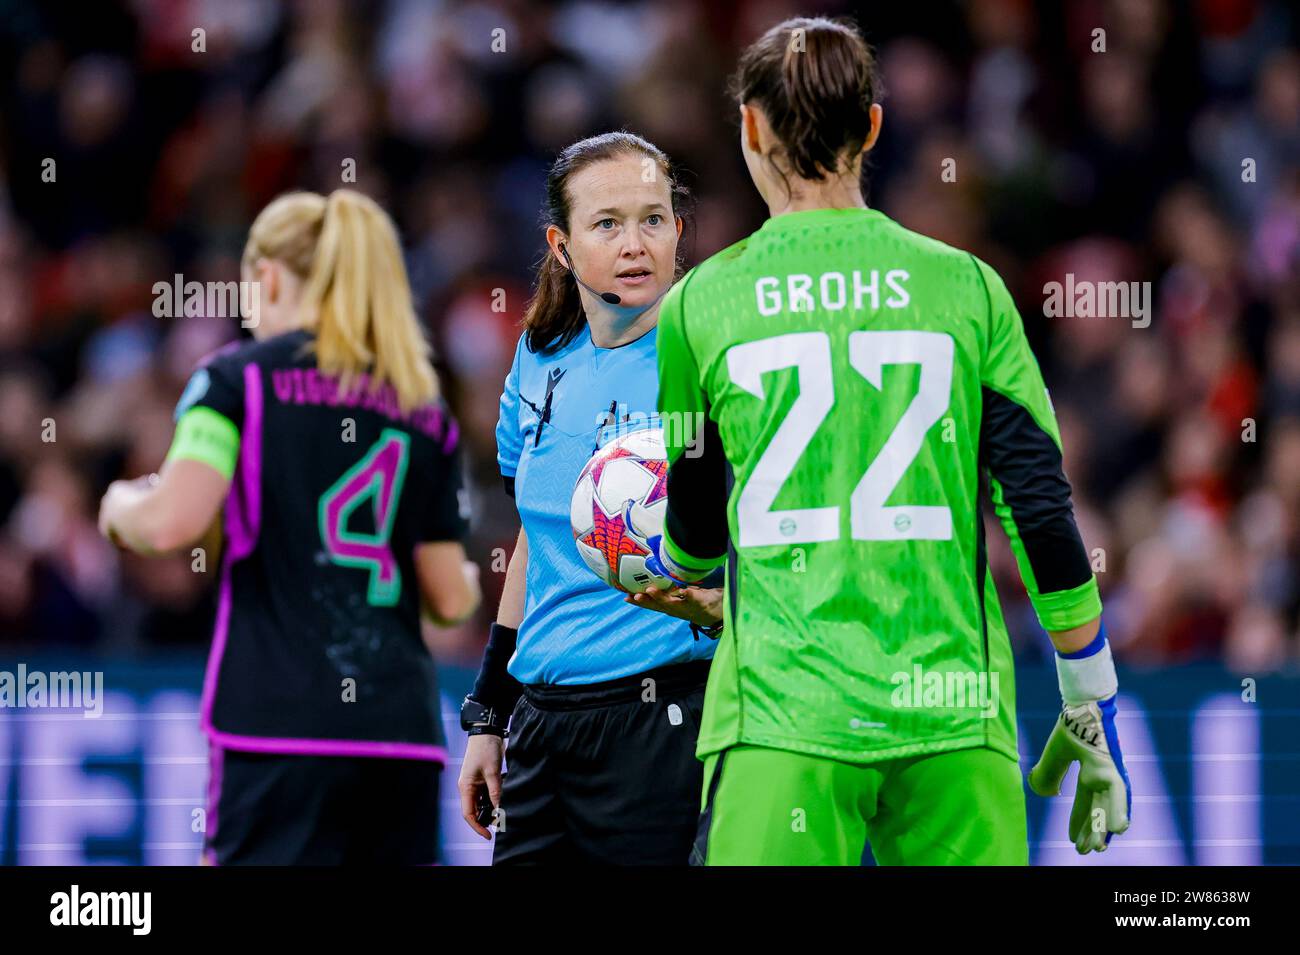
{"x":356,"y":296}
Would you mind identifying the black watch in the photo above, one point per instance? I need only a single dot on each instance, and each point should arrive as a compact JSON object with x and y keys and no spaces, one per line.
{"x":477,"y":718}
{"x":712,"y":631}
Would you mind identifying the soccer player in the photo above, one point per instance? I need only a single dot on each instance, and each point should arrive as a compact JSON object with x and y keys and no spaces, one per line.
{"x":337,"y":465}
{"x":862,"y":384}
{"x":601,"y":762}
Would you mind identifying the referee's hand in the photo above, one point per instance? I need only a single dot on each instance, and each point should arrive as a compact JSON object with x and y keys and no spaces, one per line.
{"x":700,"y":605}
{"x":481,"y":769}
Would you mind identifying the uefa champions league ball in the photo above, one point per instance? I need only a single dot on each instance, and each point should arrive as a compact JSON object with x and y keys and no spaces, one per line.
{"x":618,"y":503}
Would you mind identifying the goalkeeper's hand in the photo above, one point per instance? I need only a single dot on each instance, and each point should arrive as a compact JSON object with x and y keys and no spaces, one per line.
{"x":1085,"y":733}
{"x":655,"y":562}
{"x":655,"y":565}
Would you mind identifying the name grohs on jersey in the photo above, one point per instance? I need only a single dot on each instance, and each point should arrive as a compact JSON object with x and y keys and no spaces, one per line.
{"x":832,"y":291}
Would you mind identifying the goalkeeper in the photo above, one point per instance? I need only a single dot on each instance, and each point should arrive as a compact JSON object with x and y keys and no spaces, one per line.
{"x":862,"y":385}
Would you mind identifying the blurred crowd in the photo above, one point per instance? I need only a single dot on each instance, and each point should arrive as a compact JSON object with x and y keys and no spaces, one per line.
{"x":1124,"y":164}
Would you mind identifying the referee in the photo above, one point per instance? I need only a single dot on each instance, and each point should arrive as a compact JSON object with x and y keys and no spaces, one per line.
{"x":603,"y":699}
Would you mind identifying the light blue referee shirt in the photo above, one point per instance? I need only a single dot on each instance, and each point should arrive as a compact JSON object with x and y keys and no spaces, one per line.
{"x":577,"y":629}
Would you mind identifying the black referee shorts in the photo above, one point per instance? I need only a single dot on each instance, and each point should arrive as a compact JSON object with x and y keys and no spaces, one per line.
{"x":604,"y":774}
{"x":272,"y":809}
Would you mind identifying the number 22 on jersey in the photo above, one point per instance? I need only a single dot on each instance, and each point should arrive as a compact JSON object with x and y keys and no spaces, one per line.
{"x":869,"y":517}
{"x":377,"y":477}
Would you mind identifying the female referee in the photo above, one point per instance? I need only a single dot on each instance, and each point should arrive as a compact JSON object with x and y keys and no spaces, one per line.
{"x":601,"y":761}
{"x":336,"y":462}
{"x":866,"y":384}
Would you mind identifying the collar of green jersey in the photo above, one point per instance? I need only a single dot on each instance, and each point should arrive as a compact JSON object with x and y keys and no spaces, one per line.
{"x":806,"y":217}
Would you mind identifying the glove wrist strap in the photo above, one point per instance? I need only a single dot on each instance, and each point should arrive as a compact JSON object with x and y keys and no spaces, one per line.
{"x":683,"y":575}
{"x":1087,"y":675}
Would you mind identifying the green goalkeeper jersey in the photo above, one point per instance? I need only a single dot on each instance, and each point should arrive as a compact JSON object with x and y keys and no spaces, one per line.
{"x":844,"y":390}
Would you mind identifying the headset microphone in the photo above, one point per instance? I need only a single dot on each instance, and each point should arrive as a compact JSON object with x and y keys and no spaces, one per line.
{"x":610,"y":298}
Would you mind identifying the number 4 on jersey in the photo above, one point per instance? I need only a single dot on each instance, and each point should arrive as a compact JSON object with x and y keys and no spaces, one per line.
{"x":377,"y":477}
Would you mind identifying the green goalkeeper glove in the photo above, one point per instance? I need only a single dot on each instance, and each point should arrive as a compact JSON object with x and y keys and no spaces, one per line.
{"x":1085,"y":733}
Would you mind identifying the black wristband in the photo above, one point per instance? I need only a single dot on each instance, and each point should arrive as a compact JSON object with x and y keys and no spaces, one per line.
{"x":712,"y":631}
{"x":495,"y":687}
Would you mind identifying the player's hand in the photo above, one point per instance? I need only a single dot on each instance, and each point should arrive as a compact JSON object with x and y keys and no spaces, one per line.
{"x":106,"y":505}
{"x":1103,"y":798}
{"x":118,"y":494}
{"x":700,"y":605}
{"x":481,"y":768}
{"x":654,"y":562}
{"x":108,"y":508}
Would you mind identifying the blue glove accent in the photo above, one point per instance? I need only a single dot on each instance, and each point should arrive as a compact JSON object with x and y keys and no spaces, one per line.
{"x":1108,"y":710}
{"x":655,"y":564}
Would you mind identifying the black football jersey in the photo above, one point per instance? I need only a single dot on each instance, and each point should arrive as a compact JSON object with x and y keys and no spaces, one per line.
{"x":316,"y":646}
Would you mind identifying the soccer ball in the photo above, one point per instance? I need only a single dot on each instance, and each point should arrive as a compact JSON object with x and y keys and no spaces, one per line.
{"x":618,"y":503}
